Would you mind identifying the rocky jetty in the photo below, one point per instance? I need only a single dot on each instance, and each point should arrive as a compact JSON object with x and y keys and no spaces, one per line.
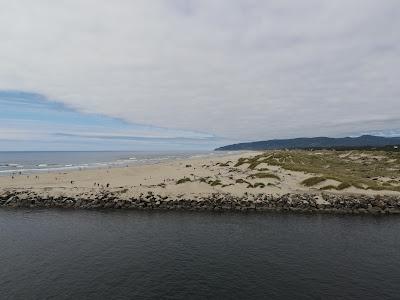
{"x":311,"y":203}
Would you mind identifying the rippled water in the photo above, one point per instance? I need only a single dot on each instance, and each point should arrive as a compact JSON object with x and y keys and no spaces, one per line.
{"x":44,"y":161}
{"x":68,"y":254}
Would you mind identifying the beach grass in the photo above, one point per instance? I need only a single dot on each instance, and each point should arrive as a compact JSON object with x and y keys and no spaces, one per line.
{"x":183,"y":180}
{"x":340,"y":187}
{"x":215,"y":182}
{"x":313,"y":180}
{"x":264,"y":175}
{"x":375,"y":170}
{"x":259,"y":184}
{"x":240,"y":180}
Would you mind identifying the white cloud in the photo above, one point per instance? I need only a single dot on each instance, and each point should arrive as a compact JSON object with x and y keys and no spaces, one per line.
{"x":239,"y":69}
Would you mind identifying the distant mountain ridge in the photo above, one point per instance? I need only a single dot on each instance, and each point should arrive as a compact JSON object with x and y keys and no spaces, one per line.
{"x":315,"y":142}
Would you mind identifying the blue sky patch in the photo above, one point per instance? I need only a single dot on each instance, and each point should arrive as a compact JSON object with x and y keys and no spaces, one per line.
{"x":33,"y":122}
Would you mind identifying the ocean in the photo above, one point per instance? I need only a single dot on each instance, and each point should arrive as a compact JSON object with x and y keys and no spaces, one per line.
{"x":45,"y":161}
{"x":78,"y":254}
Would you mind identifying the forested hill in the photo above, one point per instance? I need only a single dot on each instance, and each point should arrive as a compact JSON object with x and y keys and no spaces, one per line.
{"x":316,"y":142}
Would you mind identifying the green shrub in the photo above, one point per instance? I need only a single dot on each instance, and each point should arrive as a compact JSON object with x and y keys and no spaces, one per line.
{"x":343,"y":185}
{"x":225,"y":185}
{"x":240,"y":180}
{"x":259,"y":184}
{"x":183,"y":180}
{"x":215,"y":182}
{"x":264,"y":175}
{"x":241,"y":161}
{"x":328,"y":187}
{"x":313,"y":181}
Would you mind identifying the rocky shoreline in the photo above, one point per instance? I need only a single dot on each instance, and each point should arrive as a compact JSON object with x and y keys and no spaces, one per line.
{"x":305,"y":203}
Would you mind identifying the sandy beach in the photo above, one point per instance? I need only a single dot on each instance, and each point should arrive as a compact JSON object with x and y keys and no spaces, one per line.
{"x":189,"y":178}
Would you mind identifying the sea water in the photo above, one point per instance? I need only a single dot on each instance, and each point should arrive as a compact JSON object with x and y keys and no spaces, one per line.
{"x":78,"y":254}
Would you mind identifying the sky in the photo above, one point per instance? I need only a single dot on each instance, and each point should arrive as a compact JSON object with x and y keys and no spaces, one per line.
{"x":33,"y":122}
{"x":195,"y":74}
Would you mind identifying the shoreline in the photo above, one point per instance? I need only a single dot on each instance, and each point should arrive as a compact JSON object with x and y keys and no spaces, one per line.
{"x":119,"y":163}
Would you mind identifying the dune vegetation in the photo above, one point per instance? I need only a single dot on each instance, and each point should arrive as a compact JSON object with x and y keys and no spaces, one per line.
{"x":376,"y":170}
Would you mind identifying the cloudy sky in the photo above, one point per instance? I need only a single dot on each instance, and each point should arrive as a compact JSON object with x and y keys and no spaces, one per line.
{"x":195,"y":74}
